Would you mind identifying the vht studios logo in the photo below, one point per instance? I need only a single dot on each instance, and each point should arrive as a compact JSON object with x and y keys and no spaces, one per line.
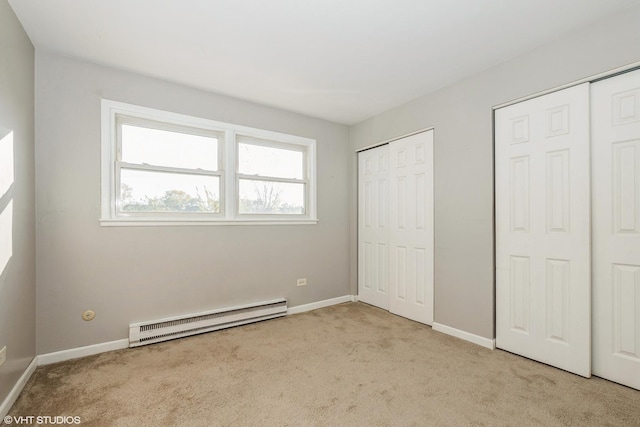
{"x":42,"y":419}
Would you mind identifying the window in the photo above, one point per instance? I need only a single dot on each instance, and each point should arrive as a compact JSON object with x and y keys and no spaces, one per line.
{"x":166,"y":169}
{"x":271,"y":178}
{"x":161,"y":168}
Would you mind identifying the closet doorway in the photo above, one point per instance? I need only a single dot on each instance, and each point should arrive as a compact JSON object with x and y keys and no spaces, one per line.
{"x":568,"y":228}
{"x":615,"y":133}
{"x":395,"y":226}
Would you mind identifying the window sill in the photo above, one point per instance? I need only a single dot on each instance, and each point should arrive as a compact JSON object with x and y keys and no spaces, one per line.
{"x":164,"y":222}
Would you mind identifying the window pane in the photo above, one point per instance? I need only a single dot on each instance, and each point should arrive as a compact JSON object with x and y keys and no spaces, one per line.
{"x":149,"y":191}
{"x":165,"y":148}
{"x":268,"y":197}
{"x":269,"y":161}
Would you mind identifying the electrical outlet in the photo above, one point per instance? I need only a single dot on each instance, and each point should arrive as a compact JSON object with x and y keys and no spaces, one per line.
{"x":3,"y":355}
{"x":302,"y":282}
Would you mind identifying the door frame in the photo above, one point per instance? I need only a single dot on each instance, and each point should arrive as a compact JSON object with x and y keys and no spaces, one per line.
{"x":357,"y":198}
{"x":590,"y":79}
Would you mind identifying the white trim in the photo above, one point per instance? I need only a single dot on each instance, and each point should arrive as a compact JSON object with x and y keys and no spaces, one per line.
{"x":17,"y":388}
{"x":111,"y":164}
{"x":387,"y":141}
{"x":90,"y":350}
{"x":146,"y":222}
{"x":467,"y":336}
{"x":270,"y":178}
{"x":230,"y":162}
{"x":320,"y":304}
{"x":74,"y":353}
{"x":605,"y":74}
{"x":132,"y":110}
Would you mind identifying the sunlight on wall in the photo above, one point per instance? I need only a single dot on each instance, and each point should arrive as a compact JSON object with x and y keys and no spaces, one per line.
{"x":6,"y":202}
{"x":6,"y":163}
{"x":6,"y":236}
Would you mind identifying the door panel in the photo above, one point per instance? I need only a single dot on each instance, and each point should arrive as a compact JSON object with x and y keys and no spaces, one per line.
{"x":542,"y":229}
{"x":373,"y":230}
{"x":616,"y":228}
{"x":411,"y":238}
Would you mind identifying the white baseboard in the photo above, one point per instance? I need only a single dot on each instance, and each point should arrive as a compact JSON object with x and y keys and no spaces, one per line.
{"x":320,"y":304}
{"x":17,"y":389}
{"x":476,"y":339}
{"x":74,"y":353}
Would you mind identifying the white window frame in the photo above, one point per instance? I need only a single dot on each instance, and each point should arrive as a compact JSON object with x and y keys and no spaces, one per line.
{"x":172,"y":127}
{"x":230,"y":135}
{"x":240,"y":138}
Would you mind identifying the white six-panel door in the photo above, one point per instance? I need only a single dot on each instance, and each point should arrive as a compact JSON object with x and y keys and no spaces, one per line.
{"x":395,"y":227}
{"x":542,"y":229}
{"x":373,"y":226}
{"x":616,"y":228}
{"x":411,"y":237}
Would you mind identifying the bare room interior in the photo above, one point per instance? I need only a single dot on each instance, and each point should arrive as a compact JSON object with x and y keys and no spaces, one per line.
{"x":320,"y":212}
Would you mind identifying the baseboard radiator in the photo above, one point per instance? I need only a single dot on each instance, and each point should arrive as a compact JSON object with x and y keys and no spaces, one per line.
{"x":181,"y":326}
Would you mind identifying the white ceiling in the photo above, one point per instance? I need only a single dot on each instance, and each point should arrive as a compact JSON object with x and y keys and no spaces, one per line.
{"x":340,"y":60}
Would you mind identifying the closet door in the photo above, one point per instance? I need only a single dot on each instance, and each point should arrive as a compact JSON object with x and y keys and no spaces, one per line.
{"x":373,"y":226}
{"x":616,"y":228}
{"x":543,"y":282}
{"x":411,"y":237}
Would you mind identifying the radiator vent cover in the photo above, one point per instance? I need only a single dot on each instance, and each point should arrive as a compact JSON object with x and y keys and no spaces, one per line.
{"x":198,"y":323}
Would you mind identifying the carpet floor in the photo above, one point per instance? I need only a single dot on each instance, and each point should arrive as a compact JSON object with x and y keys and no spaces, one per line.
{"x":345,"y":365}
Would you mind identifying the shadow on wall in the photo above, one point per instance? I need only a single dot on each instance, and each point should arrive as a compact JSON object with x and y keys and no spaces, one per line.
{"x":6,"y":198}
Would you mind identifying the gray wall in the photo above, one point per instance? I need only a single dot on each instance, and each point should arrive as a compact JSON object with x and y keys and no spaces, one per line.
{"x":17,"y":275}
{"x":462,"y":116}
{"x":129,"y":274}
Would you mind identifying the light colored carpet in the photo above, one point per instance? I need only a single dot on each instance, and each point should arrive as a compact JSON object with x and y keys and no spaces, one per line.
{"x":346,"y":365}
